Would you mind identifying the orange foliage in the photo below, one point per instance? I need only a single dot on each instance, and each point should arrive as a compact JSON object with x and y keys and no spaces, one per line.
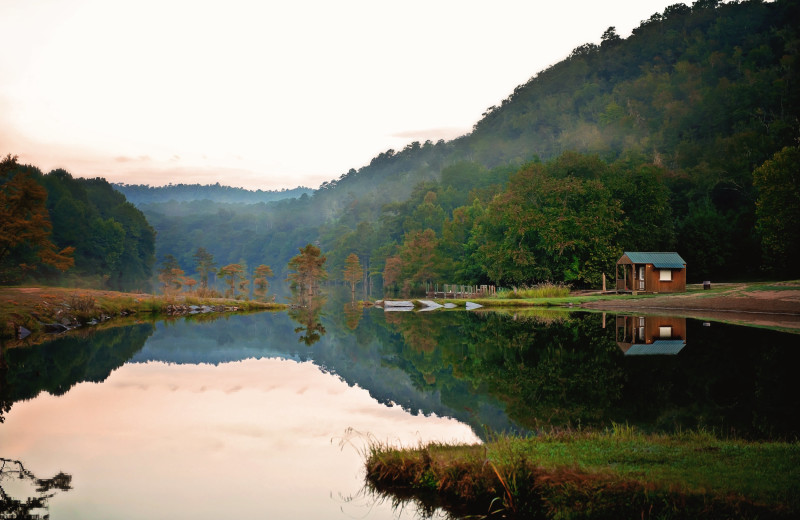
{"x":24,"y":218}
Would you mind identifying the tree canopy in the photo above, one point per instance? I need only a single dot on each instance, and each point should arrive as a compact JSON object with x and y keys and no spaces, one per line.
{"x":25,"y":228}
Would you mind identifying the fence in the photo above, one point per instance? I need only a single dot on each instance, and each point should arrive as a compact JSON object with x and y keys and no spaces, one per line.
{"x":459,"y":291}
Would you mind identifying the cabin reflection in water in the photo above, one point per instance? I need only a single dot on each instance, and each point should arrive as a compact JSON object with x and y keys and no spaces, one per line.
{"x":651,"y":335}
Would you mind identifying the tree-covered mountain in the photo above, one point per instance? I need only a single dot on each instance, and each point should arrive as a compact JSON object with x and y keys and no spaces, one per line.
{"x":145,"y":194}
{"x":88,"y":232}
{"x":683,"y":136}
{"x":644,"y":143}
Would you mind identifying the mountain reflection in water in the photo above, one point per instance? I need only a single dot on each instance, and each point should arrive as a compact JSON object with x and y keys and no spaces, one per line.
{"x":249,"y":402}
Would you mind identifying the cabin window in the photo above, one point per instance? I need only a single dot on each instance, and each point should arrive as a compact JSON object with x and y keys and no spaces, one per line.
{"x":664,"y":332}
{"x":665,"y":275}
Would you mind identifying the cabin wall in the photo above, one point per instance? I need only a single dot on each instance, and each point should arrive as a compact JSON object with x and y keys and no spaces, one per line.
{"x":653,"y":324}
{"x":654,"y":284}
{"x":632,"y":330}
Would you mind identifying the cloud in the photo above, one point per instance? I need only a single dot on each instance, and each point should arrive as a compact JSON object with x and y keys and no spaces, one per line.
{"x":125,"y":159}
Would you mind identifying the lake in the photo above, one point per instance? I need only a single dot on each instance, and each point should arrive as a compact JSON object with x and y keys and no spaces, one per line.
{"x":267,"y":415}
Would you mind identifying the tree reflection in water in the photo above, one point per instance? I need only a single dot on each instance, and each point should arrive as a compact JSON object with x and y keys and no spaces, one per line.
{"x":43,"y":489}
{"x":307,"y":311}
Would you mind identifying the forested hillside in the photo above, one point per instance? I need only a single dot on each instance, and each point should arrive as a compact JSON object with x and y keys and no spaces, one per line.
{"x":60,"y":229}
{"x":683,"y":136}
{"x":143,"y":194}
{"x":644,"y":143}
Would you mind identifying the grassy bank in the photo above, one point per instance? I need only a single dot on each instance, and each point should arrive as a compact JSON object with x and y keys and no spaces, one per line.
{"x":613,"y":474}
{"x":37,"y":308}
{"x":558,"y":298}
{"x":771,"y":305}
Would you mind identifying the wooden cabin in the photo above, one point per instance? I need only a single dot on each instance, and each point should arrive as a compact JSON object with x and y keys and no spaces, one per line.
{"x":651,"y":272}
{"x":650,"y":335}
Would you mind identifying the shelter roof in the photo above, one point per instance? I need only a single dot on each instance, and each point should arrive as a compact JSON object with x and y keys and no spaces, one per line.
{"x":658,"y":347}
{"x":660,"y":260}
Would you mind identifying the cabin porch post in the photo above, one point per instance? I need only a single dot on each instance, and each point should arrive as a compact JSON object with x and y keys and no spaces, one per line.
{"x":625,"y":277}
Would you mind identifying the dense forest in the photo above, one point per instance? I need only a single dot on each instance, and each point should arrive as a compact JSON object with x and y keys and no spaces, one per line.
{"x":682,"y":137}
{"x":144,"y":194}
{"x":88,"y":232}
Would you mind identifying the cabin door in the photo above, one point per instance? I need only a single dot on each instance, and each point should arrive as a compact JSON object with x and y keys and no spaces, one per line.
{"x":641,"y":278}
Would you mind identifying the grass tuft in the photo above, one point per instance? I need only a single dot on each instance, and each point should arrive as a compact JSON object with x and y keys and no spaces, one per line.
{"x":619,"y":473}
{"x":542,"y":290}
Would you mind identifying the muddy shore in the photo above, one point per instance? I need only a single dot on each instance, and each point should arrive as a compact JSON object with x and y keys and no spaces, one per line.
{"x":768,"y":305}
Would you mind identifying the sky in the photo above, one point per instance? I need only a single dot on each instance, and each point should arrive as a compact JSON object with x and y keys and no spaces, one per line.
{"x":266,"y":94}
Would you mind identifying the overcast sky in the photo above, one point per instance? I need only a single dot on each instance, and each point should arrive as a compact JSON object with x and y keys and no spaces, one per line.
{"x":266,"y":94}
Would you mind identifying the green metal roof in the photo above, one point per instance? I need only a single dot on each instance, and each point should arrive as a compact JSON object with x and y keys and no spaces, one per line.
{"x":659,"y":347}
{"x":659,"y":260}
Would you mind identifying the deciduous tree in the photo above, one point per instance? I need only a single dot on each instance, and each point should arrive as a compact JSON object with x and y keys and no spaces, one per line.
{"x":260,"y":282}
{"x":170,"y":273}
{"x":778,"y":208}
{"x":24,"y":220}
{"x":307,"y":268}
{"x":232,"y":274}
{"x":544,"y":228}
{"x":392,"y":271}
{"x":418,"y":253}
{"x":353,"y":272}
{"x":205,"y":264}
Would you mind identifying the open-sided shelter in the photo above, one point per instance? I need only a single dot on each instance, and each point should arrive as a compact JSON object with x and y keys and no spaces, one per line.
{"x":654,"y":272}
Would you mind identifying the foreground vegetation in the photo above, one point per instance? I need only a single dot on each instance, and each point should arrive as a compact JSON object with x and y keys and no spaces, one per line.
{"x":39,"y":309}
{"x":619,"y":473}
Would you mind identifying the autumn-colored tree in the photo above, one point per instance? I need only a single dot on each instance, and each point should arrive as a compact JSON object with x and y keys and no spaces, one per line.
{"x":392,"y":271}
{"x":24,"y":220}
{"x":352,"y":314}
{"x":170,"y":274}
{"x":419,"y":258}
{"x":189,"y":282}
{"x":352,"y":271}
{"x":205,"y":264}
{"x":308,"y":268}
{"x":305,"y":310}
{"x":232,"y":274}
{"x":260,"y":283}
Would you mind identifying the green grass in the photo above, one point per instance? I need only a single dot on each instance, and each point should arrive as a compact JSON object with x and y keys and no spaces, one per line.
{"x":619,"y":473}
{"x":551,"y":301}
{"x":544,"y":290}
{"x":786,"y":286}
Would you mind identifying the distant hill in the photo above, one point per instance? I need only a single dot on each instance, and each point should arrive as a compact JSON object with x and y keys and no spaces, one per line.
{"x":664,"y":128}
{"x":140,"y":194}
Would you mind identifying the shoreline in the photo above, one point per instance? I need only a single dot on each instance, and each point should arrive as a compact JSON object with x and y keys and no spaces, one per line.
{"x":772,"y":305}
{"x":33,"y":315}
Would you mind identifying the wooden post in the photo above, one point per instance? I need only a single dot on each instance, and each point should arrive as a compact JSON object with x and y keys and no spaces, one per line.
{"x":604,"y":288}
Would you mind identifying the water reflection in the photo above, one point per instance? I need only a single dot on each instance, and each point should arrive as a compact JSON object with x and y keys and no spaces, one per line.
{"x":650,"y":335}
{"x":243,"y":394}
{"x":16,"y":482}
{"x":245,"y":439}
{"x":306,"y":309}
{"x":57,"y":366}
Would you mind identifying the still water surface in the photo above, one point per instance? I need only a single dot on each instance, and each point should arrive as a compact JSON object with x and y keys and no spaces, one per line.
{"x":265,"y":415}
